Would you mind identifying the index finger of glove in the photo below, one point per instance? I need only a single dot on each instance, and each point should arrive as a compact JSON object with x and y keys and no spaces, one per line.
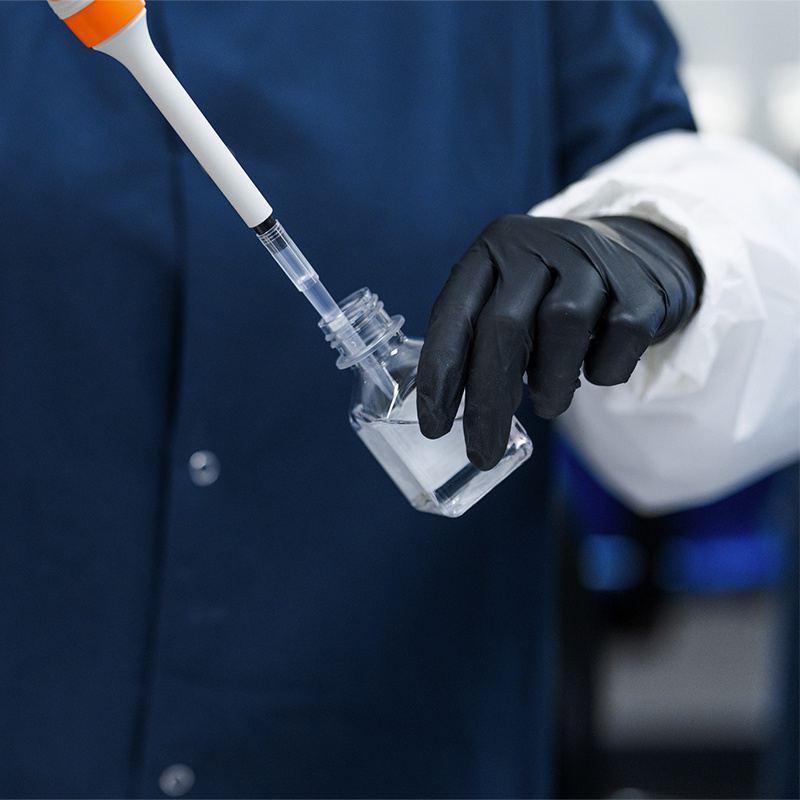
{"x":500,"y":354}
{"x":444,"y":359}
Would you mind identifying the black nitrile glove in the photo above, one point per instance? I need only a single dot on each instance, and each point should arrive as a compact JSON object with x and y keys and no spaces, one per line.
{"x":547,"y":296}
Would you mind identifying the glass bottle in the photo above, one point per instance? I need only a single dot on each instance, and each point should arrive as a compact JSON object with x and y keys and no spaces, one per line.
{"x":435,"y":475}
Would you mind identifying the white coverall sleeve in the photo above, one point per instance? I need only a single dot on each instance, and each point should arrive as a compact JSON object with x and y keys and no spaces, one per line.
{"x":717,"y":405}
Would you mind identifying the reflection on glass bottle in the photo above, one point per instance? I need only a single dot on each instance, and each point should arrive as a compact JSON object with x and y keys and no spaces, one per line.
{"x":435,"y":475}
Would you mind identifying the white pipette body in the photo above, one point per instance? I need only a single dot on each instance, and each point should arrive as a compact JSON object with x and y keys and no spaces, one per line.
{"x":132,"y":46}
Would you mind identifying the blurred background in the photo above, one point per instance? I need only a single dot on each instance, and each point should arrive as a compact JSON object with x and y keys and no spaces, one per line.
{"x":741,"y":67}
{"x":680,"y":633}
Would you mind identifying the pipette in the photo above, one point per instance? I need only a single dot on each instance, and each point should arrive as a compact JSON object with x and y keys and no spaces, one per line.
{"x":119,"y":29}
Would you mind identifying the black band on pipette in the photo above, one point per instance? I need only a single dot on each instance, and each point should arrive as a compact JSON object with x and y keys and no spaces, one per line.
{"x":264,"y":226}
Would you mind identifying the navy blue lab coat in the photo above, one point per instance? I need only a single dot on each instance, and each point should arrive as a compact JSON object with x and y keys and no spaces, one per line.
{"x":293,"y":628}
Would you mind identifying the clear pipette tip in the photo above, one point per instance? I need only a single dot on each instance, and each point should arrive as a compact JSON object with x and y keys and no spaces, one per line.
{"x":296,"y":266}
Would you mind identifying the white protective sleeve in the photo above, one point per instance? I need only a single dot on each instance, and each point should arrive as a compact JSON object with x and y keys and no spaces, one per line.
{"x":717,"y":405}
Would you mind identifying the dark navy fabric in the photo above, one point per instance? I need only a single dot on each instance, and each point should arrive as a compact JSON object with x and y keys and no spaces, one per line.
{"x":295,"y":628}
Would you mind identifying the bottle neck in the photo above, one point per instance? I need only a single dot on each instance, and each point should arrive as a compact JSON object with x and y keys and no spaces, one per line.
{"x":387,"y":349}
{"x":378,"y":334}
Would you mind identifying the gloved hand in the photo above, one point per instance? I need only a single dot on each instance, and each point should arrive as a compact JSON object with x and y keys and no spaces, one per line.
{"x":547,"y":296}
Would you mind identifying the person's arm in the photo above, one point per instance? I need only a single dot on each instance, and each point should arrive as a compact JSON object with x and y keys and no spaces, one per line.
{"x":716,"y":406}
{"x":709,"y":408}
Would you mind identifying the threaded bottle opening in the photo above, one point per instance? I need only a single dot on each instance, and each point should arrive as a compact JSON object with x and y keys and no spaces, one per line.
{"x":365,"y":313}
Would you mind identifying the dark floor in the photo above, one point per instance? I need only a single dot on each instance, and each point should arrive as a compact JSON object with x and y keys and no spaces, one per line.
{"x":687,"y":773}
{"x":679,"y":708}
